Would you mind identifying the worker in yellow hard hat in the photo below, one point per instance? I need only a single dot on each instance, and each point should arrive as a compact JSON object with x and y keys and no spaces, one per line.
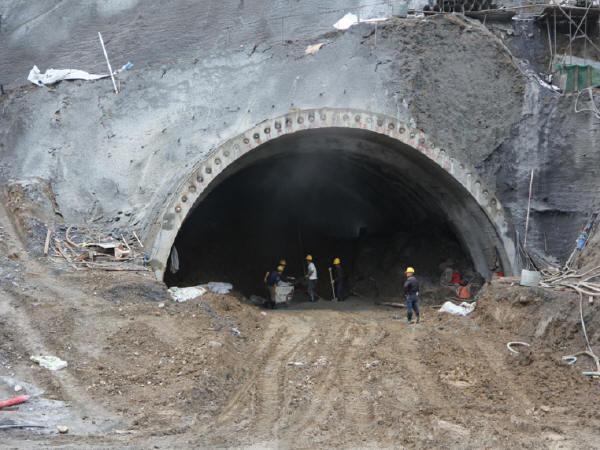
{"x":272,"y":281}
{"x":338,"y":279}
{"x":282,"y":263}
{"x":311,"y":275}
{"x":411,"y":291}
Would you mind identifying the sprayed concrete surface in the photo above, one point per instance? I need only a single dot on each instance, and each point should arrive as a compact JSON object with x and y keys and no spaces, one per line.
{"x":447,"y":77}
{"x":167,"y":120}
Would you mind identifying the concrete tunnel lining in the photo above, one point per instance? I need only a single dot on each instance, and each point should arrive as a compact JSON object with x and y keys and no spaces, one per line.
{"x":392,"y":148}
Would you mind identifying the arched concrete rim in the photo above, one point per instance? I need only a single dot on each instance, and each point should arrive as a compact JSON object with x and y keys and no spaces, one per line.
{"x":205,"y":171}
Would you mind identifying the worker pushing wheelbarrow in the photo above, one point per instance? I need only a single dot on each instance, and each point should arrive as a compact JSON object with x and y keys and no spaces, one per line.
{"x":280,"y":288}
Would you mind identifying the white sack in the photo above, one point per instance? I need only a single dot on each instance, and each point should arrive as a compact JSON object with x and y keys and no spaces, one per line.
{"x":463,"y":309}
{"x":185,"y":294}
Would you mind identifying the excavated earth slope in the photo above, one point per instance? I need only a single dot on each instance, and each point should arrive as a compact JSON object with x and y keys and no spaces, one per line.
{"x":145,"y":371}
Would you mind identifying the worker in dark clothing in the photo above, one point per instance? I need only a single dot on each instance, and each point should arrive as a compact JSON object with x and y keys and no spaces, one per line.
{"x":272,"y":280}
{"x":411,"y":291}
{"x":338,"y":279}
{"x":285,"y":278}
{"x":283,"y":264}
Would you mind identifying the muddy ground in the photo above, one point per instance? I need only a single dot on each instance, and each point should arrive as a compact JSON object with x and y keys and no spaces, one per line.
{"x":217,"y":372}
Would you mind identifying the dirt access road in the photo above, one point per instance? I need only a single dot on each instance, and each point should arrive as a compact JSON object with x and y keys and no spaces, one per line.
{"x":146,"y":372}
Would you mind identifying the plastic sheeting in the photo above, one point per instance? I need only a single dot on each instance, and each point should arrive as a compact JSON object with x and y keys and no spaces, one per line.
{"x":49,"y":362}
{"x":463,"y":309}
{"x":185,"y":294}
{"x":346,"y":22}
{"x":576,"y":77}
{"x":174,"y":259}
{"x":55,"y":75}
{"x":219,"y":287}
{"x":352,"y":19}
{"x":188,"y":293}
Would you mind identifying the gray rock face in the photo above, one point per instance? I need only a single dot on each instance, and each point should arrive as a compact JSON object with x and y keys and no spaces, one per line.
{"x":106,"y":154}
{"x":561,"y":146}
{"x":64,"y":33}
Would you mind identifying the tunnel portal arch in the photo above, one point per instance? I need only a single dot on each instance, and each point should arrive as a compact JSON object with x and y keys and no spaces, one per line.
{"x":488,"y":212}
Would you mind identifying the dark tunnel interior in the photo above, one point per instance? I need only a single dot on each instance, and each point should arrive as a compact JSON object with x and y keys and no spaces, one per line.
{"x":369,"y":200}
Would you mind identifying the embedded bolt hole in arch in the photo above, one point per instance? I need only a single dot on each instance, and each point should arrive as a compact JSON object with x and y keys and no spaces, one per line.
{"x":371,"y":200}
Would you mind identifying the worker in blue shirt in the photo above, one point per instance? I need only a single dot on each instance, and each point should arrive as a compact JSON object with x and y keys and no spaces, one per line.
{"x":272,"y":280}
{"x":411,"y":291}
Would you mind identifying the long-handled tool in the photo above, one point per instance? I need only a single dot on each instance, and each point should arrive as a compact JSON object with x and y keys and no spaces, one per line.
{"x":14,"y":401}
{"x":334,"y":299}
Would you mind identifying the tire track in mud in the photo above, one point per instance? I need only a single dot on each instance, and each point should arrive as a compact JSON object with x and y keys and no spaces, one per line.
{"x":341,"y":393}
{"x":354,"y":376}
{"x":260,"y":400}
{"x":327,"y":389}
{"x":262,"y":406}
{"x":271,"y":388}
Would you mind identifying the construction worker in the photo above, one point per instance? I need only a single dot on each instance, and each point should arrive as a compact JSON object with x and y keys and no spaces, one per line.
{"x":283,"y":264}
{"x":311,"y":275}
{"x":338,"y":278}
{"x":272,"y":281}
{"x":285,"y":277}
{"x":411,"y":291}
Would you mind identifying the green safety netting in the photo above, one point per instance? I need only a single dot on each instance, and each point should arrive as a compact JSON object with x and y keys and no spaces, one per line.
{"x":579,"y":76}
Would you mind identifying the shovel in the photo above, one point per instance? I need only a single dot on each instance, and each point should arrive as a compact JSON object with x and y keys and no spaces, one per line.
{"x":334,"y":299}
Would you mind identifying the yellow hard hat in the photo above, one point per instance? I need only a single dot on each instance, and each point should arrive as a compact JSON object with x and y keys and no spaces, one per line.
{"x":410,"y":270}
{"x":308,"y":257}
{"x":280,"y":268}
{"x":337,"y":261}
{"x":282,"y":262}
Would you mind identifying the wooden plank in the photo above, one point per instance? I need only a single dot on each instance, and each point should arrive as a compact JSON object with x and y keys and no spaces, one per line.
{"x":126,"y":244}
{"x":69,"y":240}
{"x":116,"y":268}
{"x":70,"y":248}
{"x":138,"y":239}
{"x":64,"y":255}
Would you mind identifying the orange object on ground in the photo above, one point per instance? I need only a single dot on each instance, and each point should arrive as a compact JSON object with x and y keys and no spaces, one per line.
{"x":14,"y":401}
{"x":464,"y":292}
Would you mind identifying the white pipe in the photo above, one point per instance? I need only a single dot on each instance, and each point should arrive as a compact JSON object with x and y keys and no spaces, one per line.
{"x":528,"y":206}
{"x":108,"y":63}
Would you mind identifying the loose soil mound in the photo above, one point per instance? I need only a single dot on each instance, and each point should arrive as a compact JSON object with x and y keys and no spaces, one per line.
{"x":145,"y":371}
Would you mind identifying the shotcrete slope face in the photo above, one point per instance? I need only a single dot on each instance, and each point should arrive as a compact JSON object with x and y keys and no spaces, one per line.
{"x":330,"y":192}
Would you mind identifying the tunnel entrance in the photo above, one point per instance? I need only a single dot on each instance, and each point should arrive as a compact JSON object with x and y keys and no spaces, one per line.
{"x":375,"y":202}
